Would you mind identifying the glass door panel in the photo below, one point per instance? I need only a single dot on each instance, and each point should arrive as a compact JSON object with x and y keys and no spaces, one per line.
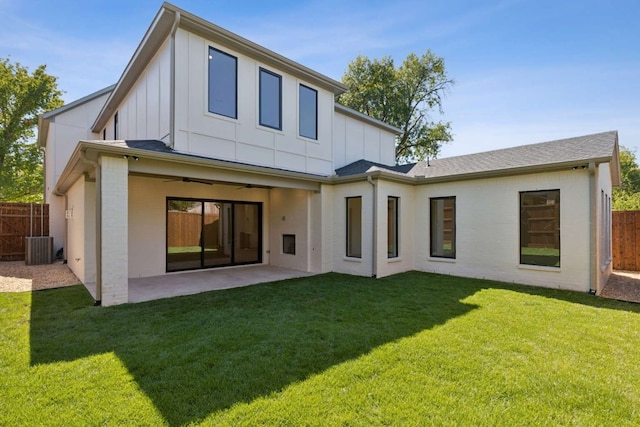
{"x":247,"y":247}
{"x":184,"y":234}
{"x":217,"y":234}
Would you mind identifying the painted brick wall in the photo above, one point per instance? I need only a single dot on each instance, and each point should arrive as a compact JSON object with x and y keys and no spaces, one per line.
{"x":114,"y":186}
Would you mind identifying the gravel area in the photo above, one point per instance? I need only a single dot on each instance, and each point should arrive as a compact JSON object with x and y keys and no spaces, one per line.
{"x":15,"y":276}
{"x":623,"y":285}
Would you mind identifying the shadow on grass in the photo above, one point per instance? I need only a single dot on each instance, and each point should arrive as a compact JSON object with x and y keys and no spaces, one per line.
{"x":196,"y":355}
{"x":199,"y":354}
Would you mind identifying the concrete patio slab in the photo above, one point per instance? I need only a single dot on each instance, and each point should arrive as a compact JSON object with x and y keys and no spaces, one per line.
{"x":194,"y":282}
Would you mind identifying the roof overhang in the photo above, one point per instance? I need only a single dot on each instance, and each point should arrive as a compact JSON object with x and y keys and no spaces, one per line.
{"x":507,"y":172}
{"x":170,"y":17}
{"x":160,"y":164}
{"x":172,"y":164}
{"x":45,"y":119}
{"x":616,"y":179}
{"x":551,"y":167}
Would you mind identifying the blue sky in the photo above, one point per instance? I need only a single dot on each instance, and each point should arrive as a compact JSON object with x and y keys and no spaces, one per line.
{"x":525,"y":70}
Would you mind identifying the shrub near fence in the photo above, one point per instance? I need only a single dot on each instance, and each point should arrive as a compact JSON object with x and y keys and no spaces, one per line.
{"x":17,"y":221}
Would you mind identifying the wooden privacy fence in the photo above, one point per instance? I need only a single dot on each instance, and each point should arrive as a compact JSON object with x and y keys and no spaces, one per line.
{"x":17,"y":221}
{"x":184,"y":228}
{"x":626,"y":240}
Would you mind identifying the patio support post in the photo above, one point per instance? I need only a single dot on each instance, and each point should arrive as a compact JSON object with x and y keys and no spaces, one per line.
{"x":114,"y":230}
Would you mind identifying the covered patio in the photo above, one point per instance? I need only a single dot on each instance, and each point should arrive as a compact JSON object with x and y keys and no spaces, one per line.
{"x":197,"y":281}
{"x":127,"y":225}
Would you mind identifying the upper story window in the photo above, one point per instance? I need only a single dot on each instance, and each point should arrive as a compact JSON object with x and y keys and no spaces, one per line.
{"x":308,"y":114}
{"x":223,"y":83}
{"x":270,"y":99}
{"x":115,"y":126}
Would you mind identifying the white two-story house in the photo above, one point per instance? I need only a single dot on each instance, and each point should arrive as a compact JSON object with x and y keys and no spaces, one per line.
{"x":212,"y":151}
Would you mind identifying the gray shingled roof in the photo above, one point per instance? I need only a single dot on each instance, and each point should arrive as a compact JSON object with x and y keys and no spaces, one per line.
{"x":578,"y":149}
{"x":362,"y":166}
{"x":599,"y":146}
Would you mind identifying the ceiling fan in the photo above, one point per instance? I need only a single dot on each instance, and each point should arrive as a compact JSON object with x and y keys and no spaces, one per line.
{"x":186,"y":179}
{"x":242,"y":187}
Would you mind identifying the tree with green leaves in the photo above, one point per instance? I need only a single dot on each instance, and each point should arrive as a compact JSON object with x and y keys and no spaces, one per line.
{"x":23,"y":97}
{"x":627,"y":196}
{"x":403,"y":97}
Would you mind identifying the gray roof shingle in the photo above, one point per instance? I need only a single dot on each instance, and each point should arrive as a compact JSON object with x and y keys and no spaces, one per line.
{"x":577,"y":149}
{"x":362,"y":166}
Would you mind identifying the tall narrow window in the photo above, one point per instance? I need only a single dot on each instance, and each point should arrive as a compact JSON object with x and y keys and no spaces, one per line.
{"x":354,"y":227}
{"x":392,"y":227}
{"x":308,"y":114}
{"x":270,"y":99}
{"x":540,"y":228}
{"x":443,"y":227}
{"x":223,"y":83}
{"x":115,"y":126}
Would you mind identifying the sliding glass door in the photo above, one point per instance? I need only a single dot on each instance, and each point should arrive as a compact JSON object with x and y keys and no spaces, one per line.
{"x":210,"y":233}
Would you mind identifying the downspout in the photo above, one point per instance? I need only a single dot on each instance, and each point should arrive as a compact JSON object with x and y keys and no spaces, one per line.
{"x":374,"y":252}
{"x":593,"y":220}
{"x":66,"y":230}
{"x":44,"y":175}
{"x":172,"y":78}
{"x":98,"y":171}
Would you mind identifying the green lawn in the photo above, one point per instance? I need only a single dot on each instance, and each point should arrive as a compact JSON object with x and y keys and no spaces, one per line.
{"x":412,"y":349}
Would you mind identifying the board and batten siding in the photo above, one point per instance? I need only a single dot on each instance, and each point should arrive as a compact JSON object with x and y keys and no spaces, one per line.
{"x":145,"y":111}
{"x":354,"y":140}
{"x":243,"y":140}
